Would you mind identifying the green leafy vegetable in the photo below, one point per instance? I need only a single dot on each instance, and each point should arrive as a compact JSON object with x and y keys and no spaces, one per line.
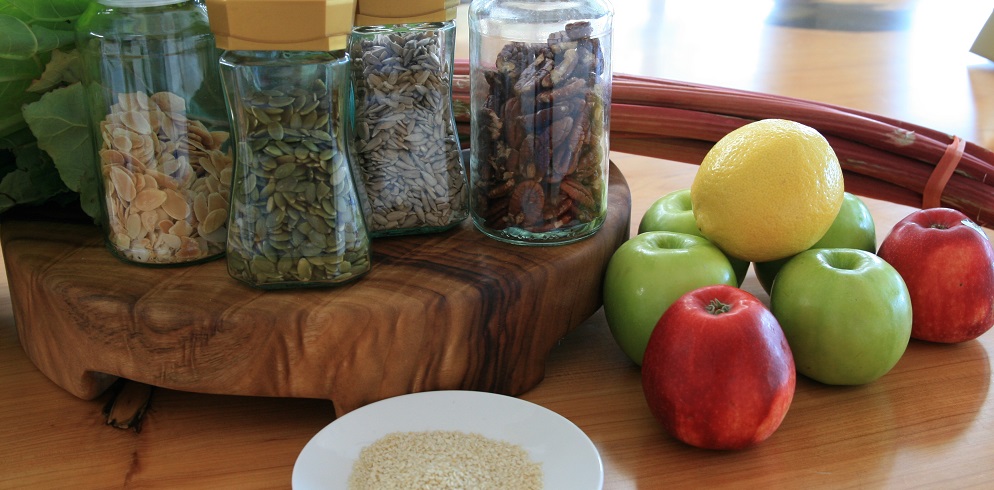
{"x":45,"y":148}
{"x":30,"y":182}
{"x":46,"y":10}
{"x":59,"y":121}
{"x":63,"y":69}
{"x":15,"y":78}
{"x":17,"y":139}
{"x":21,"y":41}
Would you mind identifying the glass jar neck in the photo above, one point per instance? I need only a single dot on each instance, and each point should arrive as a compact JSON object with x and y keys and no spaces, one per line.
{"x":400,"y":28}
{"x":255,"y":57}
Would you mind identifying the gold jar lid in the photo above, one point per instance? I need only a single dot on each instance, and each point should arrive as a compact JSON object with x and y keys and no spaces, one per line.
{"x":281,"y":25}
{"x":392,"y":12}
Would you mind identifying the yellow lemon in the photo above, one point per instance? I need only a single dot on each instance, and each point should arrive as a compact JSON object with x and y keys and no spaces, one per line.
{"x":767,"y":190}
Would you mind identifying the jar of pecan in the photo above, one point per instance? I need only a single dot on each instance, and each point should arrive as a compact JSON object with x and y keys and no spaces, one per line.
{"x":160,"y":129}
{"x":297,"y":217}
{"x":405,"y":140}
{"x":540,"y":107}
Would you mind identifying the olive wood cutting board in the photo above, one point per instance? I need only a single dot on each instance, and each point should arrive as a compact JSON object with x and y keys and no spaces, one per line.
{"x":454,"y":310}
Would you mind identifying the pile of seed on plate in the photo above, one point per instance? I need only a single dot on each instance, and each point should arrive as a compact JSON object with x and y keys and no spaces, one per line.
{"x":444,"y":460}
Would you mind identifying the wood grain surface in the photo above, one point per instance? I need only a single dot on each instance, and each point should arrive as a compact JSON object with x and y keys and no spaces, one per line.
{"x":453,"y":310}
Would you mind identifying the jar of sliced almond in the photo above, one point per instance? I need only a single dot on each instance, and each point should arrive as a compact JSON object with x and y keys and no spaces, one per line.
{"x":160,"y":129}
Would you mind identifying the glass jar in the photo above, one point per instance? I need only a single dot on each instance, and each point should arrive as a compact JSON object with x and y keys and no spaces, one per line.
{"x":296,"y":217}
{"x":540,"y":75}
{"x":405,"y":139}
{"x":296,"y":213}
{"x":160,"y":129}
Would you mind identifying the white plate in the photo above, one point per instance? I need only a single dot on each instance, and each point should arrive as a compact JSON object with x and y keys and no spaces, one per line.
{"x":569,"y":459}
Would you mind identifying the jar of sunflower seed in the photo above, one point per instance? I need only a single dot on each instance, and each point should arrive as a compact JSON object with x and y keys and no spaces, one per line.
{"x":160,"y":129}
{"x":405,"y":139}
{"x":296,"y":212}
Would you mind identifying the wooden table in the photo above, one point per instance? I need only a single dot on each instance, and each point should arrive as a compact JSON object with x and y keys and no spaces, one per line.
{"x":929,"y":422}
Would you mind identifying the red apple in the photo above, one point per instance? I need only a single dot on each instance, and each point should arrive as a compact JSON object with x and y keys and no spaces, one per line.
{"x":718,"y":372}
{"x":948,"y":264}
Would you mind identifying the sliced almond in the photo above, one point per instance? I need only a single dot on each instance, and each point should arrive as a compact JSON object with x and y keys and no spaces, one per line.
{"x":181,"y":228}
{"x":136,"y":121}
{"x":189,"y":249}
{"x":214,"y":220}
{"x":123,"y":183}
{"x":200,"y":208}
{"x":216,"y":201}
{"x":149,"y":220}
{"x":176,"y":205}
{"x":113,"y":157}
{"x":172,"y":242}
{"x":149,"y":199}
{"x":133,"y":225}
{"x":169,"y":102}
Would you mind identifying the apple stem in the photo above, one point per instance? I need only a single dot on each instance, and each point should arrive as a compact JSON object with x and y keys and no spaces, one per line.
{"x":939,"y":226}
{"x":716,"y":307}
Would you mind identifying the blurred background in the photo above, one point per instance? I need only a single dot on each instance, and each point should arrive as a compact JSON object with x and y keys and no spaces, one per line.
{"x":918,"y":51}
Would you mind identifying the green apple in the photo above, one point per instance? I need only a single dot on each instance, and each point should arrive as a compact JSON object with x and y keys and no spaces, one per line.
{"x":853,"y":228}
{"x":673,"y":212}
{"x":846,"y":314}
{"x":648,"y":273}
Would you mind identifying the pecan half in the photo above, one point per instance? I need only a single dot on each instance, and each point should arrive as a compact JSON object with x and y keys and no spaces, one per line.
{"x":532,"y":77}
{"x":579,"y":192}
{"x":575,"y":88}
{"x":528,"y":200}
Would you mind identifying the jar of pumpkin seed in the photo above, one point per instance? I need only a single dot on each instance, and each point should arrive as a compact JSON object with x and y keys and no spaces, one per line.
{"x":405,"y":138}
{"x":296,"y":212}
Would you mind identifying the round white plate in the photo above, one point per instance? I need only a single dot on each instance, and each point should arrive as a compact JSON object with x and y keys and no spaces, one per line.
{"x":569,"y":459}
